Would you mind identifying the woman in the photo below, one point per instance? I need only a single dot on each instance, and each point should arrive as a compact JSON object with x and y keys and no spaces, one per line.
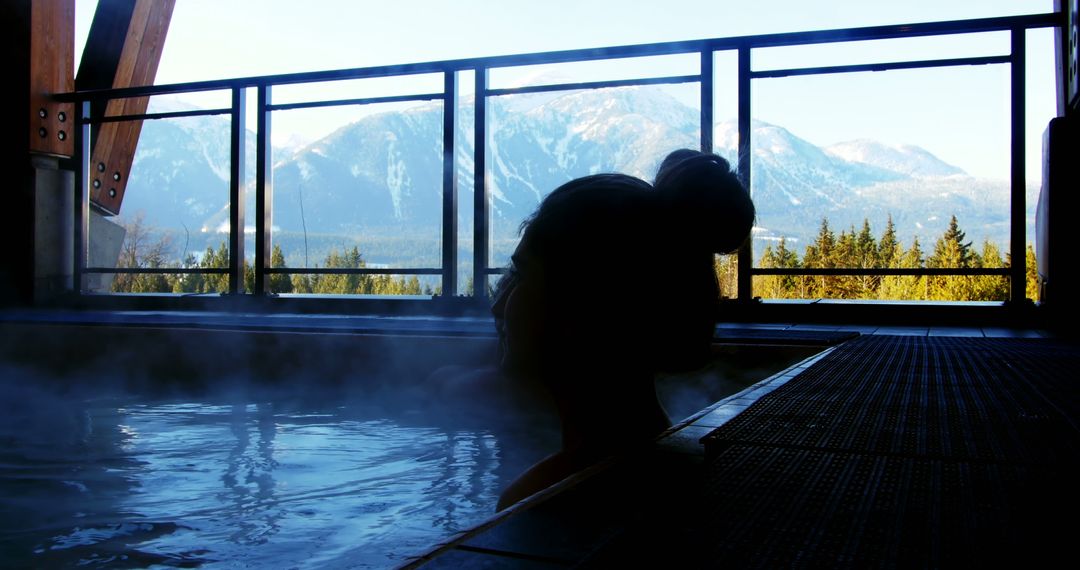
{"x":613,"y":282}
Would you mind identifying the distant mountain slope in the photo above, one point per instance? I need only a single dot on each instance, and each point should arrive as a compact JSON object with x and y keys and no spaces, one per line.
{"x":382,"y":175}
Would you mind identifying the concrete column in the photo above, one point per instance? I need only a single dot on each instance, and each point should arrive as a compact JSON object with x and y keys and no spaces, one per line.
{"x":54,"y":235}
{"x":106,"y":239}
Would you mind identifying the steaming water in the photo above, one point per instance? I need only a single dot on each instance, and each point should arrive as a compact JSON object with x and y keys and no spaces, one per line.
{"x":249,"y":485}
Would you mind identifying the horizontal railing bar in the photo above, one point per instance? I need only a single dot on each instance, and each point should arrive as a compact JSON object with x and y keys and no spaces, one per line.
{"x":158,"y":270}
{"x":358,"y":101}
{"x":668,"y":80}
{"x":925,"y":271}
{"x":852,"y":271}
{"x":566,"y":56}
{"x":971,"y":271}
{"x":352,"y":271}
{"x":156,"y":116}
{"x":897,"y":31}
{"x":922,"y":64}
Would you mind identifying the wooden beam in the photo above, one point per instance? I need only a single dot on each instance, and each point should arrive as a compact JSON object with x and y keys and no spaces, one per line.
{"x":132,"y":62}
{"x":52,"y":54}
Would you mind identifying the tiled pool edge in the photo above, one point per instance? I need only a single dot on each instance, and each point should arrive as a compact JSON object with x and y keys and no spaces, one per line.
{"x":681,"y":439}
{"x":684,"y":437}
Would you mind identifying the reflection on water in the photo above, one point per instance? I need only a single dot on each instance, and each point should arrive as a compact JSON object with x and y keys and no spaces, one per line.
{"x":257,"y":485}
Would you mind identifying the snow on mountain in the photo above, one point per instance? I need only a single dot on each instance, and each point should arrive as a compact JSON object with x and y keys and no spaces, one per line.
{"x":904,"y":159}
{"x":293,"y":144}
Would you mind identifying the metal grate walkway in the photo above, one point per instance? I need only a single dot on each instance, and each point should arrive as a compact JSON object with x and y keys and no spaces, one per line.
{"x":900,"y":452}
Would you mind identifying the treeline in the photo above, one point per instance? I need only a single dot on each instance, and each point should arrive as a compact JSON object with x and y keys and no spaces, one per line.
{"x":850,"y":249}
{"x":141,"y":250}
{"x":860,"y":249}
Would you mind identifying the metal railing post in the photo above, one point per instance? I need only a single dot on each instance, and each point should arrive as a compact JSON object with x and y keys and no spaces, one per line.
{"x":264,"y":191}
{"x":81,"y":235}
{"x":708,"y":83}
{"x":481,"y":209}
{"x":237,"y":137}
{"x":1017,"y":204}
{"x":746,"y":253}
{"x":449,"y":184}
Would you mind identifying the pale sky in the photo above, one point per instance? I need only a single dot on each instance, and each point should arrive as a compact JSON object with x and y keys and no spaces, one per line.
{"x":959,"y":114}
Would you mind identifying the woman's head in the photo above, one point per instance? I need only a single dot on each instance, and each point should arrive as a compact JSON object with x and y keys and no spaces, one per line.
{"x":707,"y":200}
{"x":612,"y":271}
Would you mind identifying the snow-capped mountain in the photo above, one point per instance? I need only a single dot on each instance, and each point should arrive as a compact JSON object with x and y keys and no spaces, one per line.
{"x":382,"y":175}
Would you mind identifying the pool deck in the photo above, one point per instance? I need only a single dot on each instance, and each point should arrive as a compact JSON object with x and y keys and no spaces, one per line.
{"x":902,"y":447}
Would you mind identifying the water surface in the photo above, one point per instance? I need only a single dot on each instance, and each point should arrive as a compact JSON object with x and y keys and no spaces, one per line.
{"x":246,"y":484}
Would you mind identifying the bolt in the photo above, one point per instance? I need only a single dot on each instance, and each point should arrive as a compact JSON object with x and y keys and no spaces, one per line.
{"x":101,"y":167}
{"x":61,"y":135}
{"x":42,"y":113}
{"x":97,"y":183}
{"x":116,"y":176}
{"x":61,"y":116}
{"x":112,"y":192}
{"x":42,"y":132}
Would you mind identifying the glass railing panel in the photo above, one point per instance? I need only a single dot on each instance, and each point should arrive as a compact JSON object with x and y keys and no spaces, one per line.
{"x":174,"y":211}
{"x":866,"y":170}
{"x":369,"y":190}
{"x":1041,"y":107}
{"x":464,"y":158}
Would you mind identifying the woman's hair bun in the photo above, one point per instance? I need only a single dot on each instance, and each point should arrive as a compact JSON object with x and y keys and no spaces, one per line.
{"x":708,"y":207}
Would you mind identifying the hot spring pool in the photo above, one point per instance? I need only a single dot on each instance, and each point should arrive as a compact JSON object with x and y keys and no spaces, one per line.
{"x":251,"y":485}
{"x":330,"y":453}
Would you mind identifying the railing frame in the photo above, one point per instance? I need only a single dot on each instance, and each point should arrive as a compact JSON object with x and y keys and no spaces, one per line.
{"x":481,"y":67}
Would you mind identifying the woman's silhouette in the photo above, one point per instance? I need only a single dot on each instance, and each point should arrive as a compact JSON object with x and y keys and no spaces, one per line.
{"x":613,"y":282}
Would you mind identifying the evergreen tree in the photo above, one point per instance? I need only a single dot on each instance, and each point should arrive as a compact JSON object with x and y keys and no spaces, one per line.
{"x":779,"y":286}
{"x":767,"y":286}
{"x":249,"y":276}
{"x":990,"y":287}
{"x":789,"y":259}
{"x":951,"y":252}
{"x":279,"y":282}
{"x":189,"y":282}
{"x":820,"y":254}
{"x":888,"y":250}
{"x":301,"y":283}
{"x":905,"y":287}
{"x":354,"y":284}
{"x":866,"y":246}
{"x":219,"y":259}
{"x":866,"y":254}
{"x":330,"y":284}
{"x":846,"y":255}
{"x":952,"y":248}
